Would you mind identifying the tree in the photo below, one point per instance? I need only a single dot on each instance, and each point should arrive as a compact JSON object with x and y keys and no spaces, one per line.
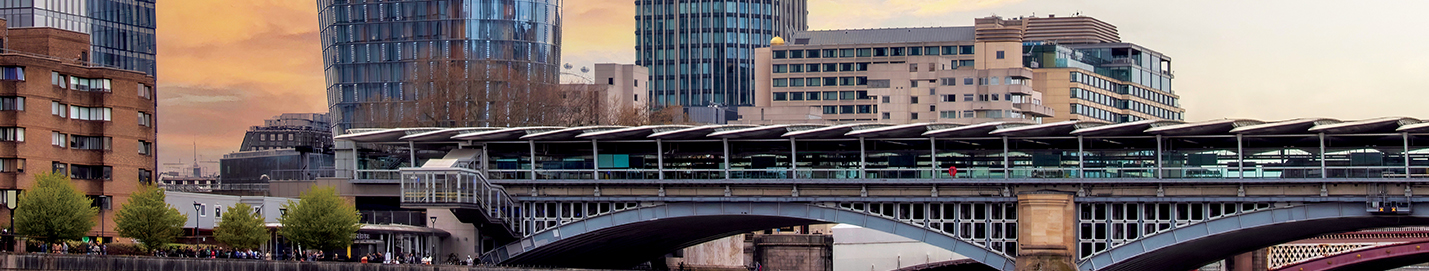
{"x":54,"y":210}
{"x":320,"y":220}
{"x":241,"y":228}
{"x":148,"y":219}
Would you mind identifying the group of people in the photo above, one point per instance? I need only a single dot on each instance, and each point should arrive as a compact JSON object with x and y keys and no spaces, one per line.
{"x":89,"y":248}
{"x":213,"y":253}
{"x":398,"y":258}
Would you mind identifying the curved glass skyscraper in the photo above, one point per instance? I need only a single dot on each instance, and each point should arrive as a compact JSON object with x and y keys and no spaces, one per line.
{"x":437,"y":63}
{"x":121,"y":32}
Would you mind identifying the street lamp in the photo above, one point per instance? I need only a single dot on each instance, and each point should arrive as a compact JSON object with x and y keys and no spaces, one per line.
{"x":197,"y":208}
{"x":432,"y":222}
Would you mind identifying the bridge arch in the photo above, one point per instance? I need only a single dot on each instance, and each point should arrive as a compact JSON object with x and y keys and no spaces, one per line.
{"x":623,"y":239}
{"x":1383,"y":257}
{"x":1190,"y":246}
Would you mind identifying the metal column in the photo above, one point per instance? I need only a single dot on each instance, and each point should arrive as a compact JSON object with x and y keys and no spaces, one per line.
{"x":793,"y":159}
{"x":1324,"y":173}
{"x":1239,"y":157}
{"x":484,"y":160}
{"x":1006,"y":165}
{"x":533,"y":158}
{"x":660,"y":158}
{"x":862,"y":159}
{"x":1081,"y":161}
{"x":412,"y":154}
{"x":1406,"y":154}
{"x":933,"y":155}
{"x":1159,"y":167}
{"x":594,"y":157}
{"x":726,"y":157}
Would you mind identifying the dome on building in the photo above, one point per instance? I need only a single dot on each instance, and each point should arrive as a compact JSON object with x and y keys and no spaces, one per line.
{"x":777,"y":41}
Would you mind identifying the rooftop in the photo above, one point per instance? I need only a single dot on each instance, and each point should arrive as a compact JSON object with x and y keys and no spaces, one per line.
{"x":881,"y":35}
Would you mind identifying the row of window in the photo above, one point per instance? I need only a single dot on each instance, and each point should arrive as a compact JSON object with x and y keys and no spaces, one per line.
{"x":85,"y":84}
{"x":1108,"y":100}
{"x":274,"y":137}
{"x":80,"y":112}
{"x":821,"y":81}
{"x":84,"y":172}
{"x":1098,"y":113}
{"x":849,"y":109}
{"x":12,"y":73}
{"x":990,"y":114}
{"x":707,"y":7}
{"x":826,"y":96}
{"x":1098,"y":82}
{"x":874,"y":52}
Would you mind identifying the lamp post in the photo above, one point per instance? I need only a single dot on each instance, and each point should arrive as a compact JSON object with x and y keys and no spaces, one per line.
{"x":197,"y":208}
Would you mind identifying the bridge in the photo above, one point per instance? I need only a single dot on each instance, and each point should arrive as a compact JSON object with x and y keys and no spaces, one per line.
{"x":1079,"y":195}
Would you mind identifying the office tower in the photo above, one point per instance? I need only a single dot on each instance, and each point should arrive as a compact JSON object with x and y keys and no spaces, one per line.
{"x":308,"y":131}
{"x":437,"y":63}
{"x":121,"y":32}
{"x":1020,"y":69}
{"x":701,"y":53}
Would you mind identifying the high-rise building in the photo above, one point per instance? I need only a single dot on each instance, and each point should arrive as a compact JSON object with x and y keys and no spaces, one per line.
{"x":100,"y":120}
{"x":121,"y":31}
{"x":436,"y":63}
{"x":701,"y":53}
{"x":1019,"y":69}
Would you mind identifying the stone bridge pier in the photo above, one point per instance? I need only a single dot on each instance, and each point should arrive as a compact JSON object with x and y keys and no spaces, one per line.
{"x":1047,"y":231}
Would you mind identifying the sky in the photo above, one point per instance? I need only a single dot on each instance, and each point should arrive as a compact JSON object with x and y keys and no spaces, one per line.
{"x":227,"y":65}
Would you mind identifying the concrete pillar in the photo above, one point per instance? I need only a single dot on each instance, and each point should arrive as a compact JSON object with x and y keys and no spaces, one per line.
{"x":1046,"y":232}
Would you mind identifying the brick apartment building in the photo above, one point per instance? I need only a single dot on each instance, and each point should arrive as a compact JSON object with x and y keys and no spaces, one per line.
{"x":100,"y":121}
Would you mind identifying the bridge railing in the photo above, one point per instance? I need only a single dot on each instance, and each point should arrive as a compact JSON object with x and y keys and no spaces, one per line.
{"x":461,"y":186}
{"x":1141,"y":172}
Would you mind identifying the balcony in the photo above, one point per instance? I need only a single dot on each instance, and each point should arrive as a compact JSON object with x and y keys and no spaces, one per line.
{"x":1034,"y":109}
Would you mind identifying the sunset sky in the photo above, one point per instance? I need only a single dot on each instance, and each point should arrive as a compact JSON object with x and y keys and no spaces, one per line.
{"x":227,"y":65}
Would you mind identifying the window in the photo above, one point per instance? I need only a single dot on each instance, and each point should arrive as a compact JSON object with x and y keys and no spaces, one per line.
{"x":847,"y":95}
{"x":966,"y":49}
{"x":865,"y":52}
{"x":967,"y":97}
{"x":12,"y":73}
{"x":781,"y":96}
{"x":796,"y":96}
{"x":813,"y":82}
{"x":865,"y":109}
{"x":781,"y":54}
{"x":948,"y":114}
{"x":811,"y":54}
{"x":830,"y":53}
{"x":1001,"y":55}
{"x":949,"y":50}
{"x":895,"y":51}
{"x":11,"y":165}
{"x":811,"y":67}
{"x":59,"y":109}
{"x":880,"y":84}
{"x":12,"y":103}
{"x":965,"y":63}
{"x":914,"y":51}
{"x":203,"y":210}
{"x":60,"y":168}
{"x":88,"y":84}
{"x":880,"y":51}
{"x":967,"y":81}
{"x":948,"y":81}
{"x":12,"y":134}
{"x":781,"y":68}
{"x":968,"y":114}
{"x":994,"y":81}
{"x":146,"y":148}
{"x":796,"y":82}
{"x":932,"y":108}
{"x":60,"y":80}
{"x":861,"y":66}
{"x":950,"y":98}
{"x":913,"y":115}
{"x":796,"y":68}
{"x":89,"y":142}
{"x":796,"y":54}
{"x":218,"y":211}
{"x":912,"y":83}
{"x":913,"y":100}
{"x":885,"y":99}
{"x":812,"y":96}
{"x":845,"y":67}
{"x":930,"y":50}
{"x":831,"y":67}
{"x":829,"y":109}
{"x":146,"y":176}
{"x":85,"y":172}
{"x":58,"y":139}
{"x":781,"y":82}
{"x":846,"y":53}
{"x":846,"y":109}
{"x":145,"y":119}
{"x":610,"y":81}
{"x":912,"y":67}
{"x":90,"y":113}
{"x":885,"y":115}
{"x":831,"y":96}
